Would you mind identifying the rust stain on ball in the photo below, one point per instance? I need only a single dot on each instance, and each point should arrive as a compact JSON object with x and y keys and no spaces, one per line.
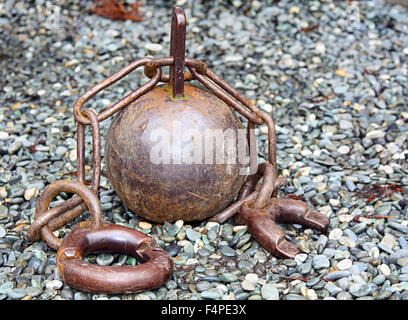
{"x":160,"y":191}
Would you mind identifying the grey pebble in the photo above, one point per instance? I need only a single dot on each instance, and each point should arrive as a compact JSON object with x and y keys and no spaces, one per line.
{"x":212,"y":294}
{"x":293,"y":296}
{"x":227,"y":251}
{"x":383,"y":210}
{"x":320,"y":262}
{"x":335,"y":275}
{"x":203,"y":286}
{"x":269,"y":292}
{"x":228,"y":277}
{"x":104,"y":259}
{"x":192,"y":235}
{"x":16,"y":293}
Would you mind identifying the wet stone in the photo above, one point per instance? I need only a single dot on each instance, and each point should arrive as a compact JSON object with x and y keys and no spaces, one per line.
{"x":227,"y":251}
{"x":104,"y":259}
{"x":269,"y":292}
{"x":173,"y":249}
{"x":173,"y":230}
{"x":212,"y":294}
{"x":16,"y":293}
{"x":192,"y":235}
{"x":320,"y":262}
{"x":81,"y":296}
{"x":383,"y":210}
{"x":228,"y":277}
{"x":203,"y":252}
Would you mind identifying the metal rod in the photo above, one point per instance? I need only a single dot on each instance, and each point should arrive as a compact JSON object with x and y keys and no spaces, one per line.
{"x":178,"y":51}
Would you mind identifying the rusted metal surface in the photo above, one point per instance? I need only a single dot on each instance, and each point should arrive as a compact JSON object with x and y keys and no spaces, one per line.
{"x":96,"y":236}
{"x":170,"y":192}
{"x":154,"y":271}
{"x":262,"y":223}
{"x":262,"y":214}
{"x":44,"y":201}
{"x":164,"y":192}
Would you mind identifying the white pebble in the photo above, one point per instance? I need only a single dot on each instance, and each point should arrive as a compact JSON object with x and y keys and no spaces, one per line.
{"x":375,"y":134}
{"x":54,"y":285}
{"x":49,"y":120}
{"x":389,"y":240}
{"x":72,"y":155}
{"x":179,"y":223}
{"x":335,"y":234}
{"x":385,"y":270}
{"x":145,"y":225}
{"x":334,"y":202}
{"x":326,"y":210}
{"x":343,"y":149}
{"x":154,"y":47}
{"x":3,"y":193}
{"x":320,"y":47}
{"x":294,"y":10}
{"x":344,"y":264}
{"x":247,"y":285}
{"x":374,"y":252}
{"x":387,"y":169}
{"x":345,"y":218}
{"x":318,"y":179}
{"x":252,"y":277}
{"x":237,"y":228}
{"x":222,"y":287}
{"x":267,"y":107}
{"x":234,"y":58}
{"x":31,"y":193}
{"x":345,"y":241}
{"x":308,"y":293}
{"x":300,"y":258}
{"x":3,"y":135}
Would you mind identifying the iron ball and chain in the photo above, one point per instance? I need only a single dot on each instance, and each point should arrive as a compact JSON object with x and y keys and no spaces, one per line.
{"x":164,"y":192}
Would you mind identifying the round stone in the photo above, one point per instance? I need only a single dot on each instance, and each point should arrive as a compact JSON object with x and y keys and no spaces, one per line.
{"x":252,"y":277}
{"x":385,"y":269}
{"x":335,"y":234}
{"x":320,"y":262}
{"x":145,"y":225}
{"x":104,"y":259}
{"x":154,"y":47}
{"x":343,"y":149}
{"x":345,"y":241}
{"x":269,"y":292}
{"x":344,"y":264}
{"x":248,"y":285}
{"x":54,"y":284}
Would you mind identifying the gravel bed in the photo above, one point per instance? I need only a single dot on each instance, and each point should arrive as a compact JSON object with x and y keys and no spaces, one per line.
{"x":333,"y":76}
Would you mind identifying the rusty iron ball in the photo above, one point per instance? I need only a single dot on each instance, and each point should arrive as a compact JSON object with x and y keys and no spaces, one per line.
{"x":159,"y":191}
